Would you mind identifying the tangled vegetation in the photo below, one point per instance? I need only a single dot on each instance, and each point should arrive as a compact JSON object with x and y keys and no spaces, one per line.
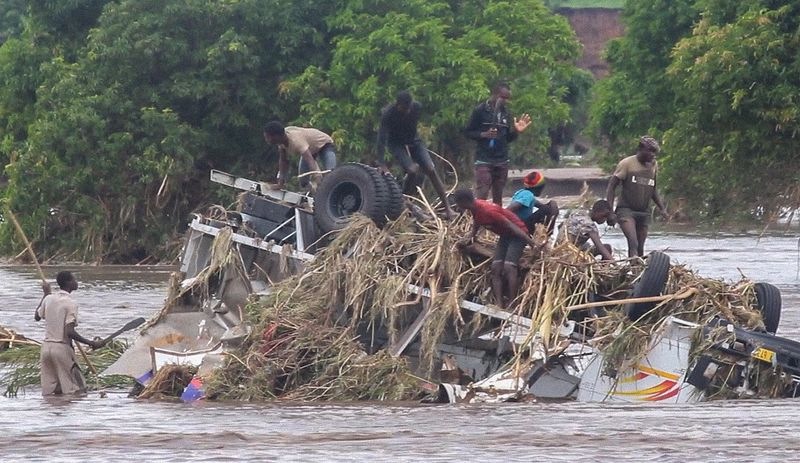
{"x":328,"y":332}
{"x":19,"y":366}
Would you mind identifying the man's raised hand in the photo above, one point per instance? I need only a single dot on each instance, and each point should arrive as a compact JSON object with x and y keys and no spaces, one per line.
{"x":522,"y":123}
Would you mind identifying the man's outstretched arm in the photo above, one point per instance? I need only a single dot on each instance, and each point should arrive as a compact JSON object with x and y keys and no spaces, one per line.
{"x":601,"y":248}
{"x":75,"y":336}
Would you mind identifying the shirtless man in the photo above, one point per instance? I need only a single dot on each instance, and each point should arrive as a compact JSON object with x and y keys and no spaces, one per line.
{"x":637,"y":175}
{"x":60,"y":371}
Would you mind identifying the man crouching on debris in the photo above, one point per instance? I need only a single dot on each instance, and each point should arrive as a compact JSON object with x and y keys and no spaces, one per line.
{"x":513,"y":239}
{"x":579,"y":228}
{"x":529,"y":208}
{"x":60,"y":371}
{"x":314,"y":148}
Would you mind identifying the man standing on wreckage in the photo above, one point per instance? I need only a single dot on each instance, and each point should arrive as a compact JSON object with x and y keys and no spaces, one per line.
{"x":398,"y":133}
{"x":493,"y":127}
{"x":637,"y":175}
{"x":513,"y":238}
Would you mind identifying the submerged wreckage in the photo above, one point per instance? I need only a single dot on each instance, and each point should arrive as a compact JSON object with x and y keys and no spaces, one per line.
{"x":345,"y":296}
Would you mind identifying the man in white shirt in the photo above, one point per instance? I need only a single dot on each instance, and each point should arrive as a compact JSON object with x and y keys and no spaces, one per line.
{"x":60,"y":371}
{"x":314,"y":148}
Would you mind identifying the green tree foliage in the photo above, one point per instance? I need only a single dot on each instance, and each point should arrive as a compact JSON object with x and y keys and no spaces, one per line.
{"x":719,"y":81}
{"x":53,"y":30}
{"x":112,"y":112}
{"x":12,"y":13}
{"x":162,"y":90}
{"x":735,"y":140}
{"x":638,"y":97}
{"x":67,"y":20}
{"x":578,"y":90}
{"x":447,"y":54}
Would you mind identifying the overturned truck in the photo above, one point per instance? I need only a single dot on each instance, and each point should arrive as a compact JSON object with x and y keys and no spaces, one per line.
{"x":346,"y":295}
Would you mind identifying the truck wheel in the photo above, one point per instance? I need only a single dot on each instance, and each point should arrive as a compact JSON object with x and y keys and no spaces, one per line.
{"x":651,"y":283}
{"x":349,"y":189}
{"x":769,"y":302}
{"x":396,"y":202}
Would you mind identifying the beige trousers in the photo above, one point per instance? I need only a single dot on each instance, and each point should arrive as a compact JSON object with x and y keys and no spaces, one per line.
{"x":60,"y":371}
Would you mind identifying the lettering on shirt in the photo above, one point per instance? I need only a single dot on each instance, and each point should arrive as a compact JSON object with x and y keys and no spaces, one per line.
{"x":643,"y":180}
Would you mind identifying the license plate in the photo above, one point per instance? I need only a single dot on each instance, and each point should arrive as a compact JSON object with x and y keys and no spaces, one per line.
{"x":763,"y":354}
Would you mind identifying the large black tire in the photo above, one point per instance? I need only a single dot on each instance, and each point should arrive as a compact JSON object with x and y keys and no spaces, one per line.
{"x":396,"y":202}
{"x":348,"y":189}
{"x":768,"y":298}
{"x":651,"y":283}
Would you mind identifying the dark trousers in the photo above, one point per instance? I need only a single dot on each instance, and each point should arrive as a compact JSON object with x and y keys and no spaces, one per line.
{"x":491,"y":177}
{"x":407,"y":156}
{"x":546,"y":215}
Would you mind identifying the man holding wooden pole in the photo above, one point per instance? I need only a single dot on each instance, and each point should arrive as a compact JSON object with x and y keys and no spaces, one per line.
{"x":60,"y":371}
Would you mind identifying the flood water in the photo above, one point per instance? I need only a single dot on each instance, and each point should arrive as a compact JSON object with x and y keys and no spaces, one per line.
{"x":116,"y":428}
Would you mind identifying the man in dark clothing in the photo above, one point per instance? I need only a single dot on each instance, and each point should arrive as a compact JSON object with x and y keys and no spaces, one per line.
{"x":637,"y":175}
{"x":491,"y":126}
{"x":398,"y":132}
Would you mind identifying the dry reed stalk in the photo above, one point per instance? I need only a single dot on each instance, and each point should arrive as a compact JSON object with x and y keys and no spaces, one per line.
{"x":168,"y":382}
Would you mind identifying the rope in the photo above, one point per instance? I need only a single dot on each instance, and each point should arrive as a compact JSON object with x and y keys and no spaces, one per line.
{"x":452,"y":168}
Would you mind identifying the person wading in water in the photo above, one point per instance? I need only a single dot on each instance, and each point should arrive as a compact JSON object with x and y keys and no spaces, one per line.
{"x":60,"y":371}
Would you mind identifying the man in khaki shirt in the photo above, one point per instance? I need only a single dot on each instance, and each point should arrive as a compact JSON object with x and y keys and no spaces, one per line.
{"x":314,"y":148}
{"x":637,"y":175}
{"x":60,"y":372}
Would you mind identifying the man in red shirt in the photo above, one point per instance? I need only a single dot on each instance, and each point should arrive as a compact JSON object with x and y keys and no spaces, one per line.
{"x":513,"y":239}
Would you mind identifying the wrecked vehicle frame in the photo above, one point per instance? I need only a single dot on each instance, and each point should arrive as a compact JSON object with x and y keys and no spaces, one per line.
{"x":275,"y":234}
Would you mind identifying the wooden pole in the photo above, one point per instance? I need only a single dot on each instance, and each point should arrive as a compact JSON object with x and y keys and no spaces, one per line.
{"x":28,"y":246}
{"x":635,"y":300}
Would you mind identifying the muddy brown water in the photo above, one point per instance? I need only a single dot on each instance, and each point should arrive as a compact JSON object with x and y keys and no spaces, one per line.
{"x":116,"y":428}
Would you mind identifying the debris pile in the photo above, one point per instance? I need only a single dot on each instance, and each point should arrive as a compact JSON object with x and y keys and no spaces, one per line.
{"x":312,"y":335}
{"x":308,"y":336}
{"x":169,"y":382}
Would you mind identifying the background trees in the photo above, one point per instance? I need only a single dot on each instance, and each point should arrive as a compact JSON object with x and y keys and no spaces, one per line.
{"x":447,"y":53}
{"x":735,"y":140}
{"x":112,"y":112}
{"x":638,"y":97}
{"x":121,"y":139}
{"x":719,"y":81}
